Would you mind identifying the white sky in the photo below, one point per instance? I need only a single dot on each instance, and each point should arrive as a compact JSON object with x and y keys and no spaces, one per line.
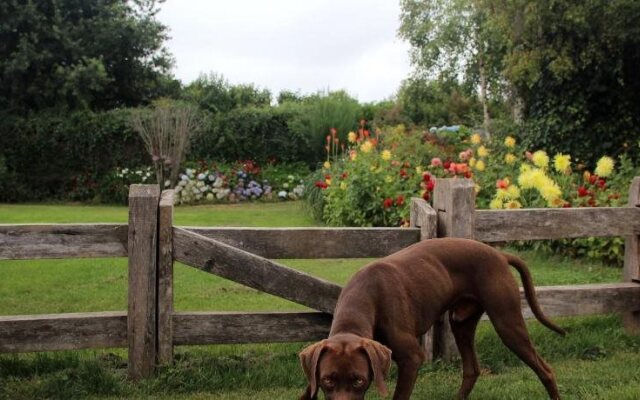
{"x":305,"y":45}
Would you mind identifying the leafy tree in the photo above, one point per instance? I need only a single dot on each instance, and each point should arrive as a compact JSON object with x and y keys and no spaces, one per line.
{"x":78,"y":54}
{"x":575,"y":65}
{"x":214,"y":94}
{"x":452,"y":39}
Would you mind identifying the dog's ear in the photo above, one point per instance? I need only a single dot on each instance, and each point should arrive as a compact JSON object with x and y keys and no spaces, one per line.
{"x":309,"y":358}
{"x":380,"y":360}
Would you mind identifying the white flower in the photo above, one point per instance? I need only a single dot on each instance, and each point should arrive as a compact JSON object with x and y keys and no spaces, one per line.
{"x":178,"y":189}
{"x":218,"y":183}
{"x":201,"y":176}
{"x":200,"y":184}
{"x":223,"y":193}
{"x":285,"y":185}
{"x":290,"y":177}
{"x":210,"y":196}
{"x":138,"y":172}
{"x":299,"y":190}
{"x":204,"y":189}
{"x":183,"y":177}
{"x":167,"y":183}
{"x":212,"y":177}
{"x":282,"y":194}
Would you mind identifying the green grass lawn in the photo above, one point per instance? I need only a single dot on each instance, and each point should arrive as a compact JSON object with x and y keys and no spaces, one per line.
{"x":597,"y":360}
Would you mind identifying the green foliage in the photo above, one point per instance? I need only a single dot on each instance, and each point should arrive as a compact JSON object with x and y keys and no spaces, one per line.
{"x":55,"y":156}
{"x":214,"y":94}
{"x":77,"y":55}
{"x":439,"y":102}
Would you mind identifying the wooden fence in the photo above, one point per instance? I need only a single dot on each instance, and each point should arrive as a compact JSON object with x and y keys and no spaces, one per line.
{"x":151,"y":328}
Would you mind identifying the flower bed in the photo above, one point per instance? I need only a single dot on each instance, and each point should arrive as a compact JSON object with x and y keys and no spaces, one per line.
{"x":241,"y":181}
{"x":368,"y":180}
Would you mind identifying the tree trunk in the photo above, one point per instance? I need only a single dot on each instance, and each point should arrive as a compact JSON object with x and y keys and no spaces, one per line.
{"x":483,"y":94}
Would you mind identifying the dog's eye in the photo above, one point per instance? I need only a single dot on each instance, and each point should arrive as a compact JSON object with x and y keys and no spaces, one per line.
{"x":358,"y":383}
{"x":327,"y":381}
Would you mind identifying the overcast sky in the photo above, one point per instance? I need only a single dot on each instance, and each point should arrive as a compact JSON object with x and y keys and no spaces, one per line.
{"x":305,"y":45}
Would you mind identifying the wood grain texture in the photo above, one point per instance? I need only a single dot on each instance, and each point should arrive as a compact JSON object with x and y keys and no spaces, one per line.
{"x":425,"y":218}
{"x":454,"y":200}
{"x":254,"y":271}
{"x":143,"y":242}
{"x":20,"y":242}
{"x":555,"y":223}
{"x":314,"y":243}
{"x":226,"y":328}
{"x":631,"y":271}
{"x":165,"y":278}
{"x":25,"y":333}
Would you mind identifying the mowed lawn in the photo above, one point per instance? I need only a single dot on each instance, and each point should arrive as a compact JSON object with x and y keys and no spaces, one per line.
{"x":597,"y":360}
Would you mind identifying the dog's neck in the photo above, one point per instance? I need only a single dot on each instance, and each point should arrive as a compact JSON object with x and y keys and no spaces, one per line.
{"x":355,"y":317}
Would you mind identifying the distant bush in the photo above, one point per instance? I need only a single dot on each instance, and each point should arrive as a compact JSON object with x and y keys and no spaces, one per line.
{"x":63,"y":156}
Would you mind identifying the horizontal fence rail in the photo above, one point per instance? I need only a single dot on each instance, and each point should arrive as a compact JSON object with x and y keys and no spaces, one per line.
{"x":314,"y":242}
{"x":555,"y":223}
{"x":22,"y":242}
{"x":24,"y":333}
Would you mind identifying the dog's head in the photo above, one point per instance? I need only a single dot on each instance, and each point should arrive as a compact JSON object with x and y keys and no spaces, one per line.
{"x":344,"y":366}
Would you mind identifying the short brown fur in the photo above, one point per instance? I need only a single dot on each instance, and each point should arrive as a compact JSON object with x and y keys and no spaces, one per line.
{"x":391,"y":302}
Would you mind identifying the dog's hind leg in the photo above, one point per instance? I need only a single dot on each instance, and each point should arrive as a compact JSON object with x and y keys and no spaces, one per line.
{"x":409,"y":357}
{"x":513,"y":332}
{"x":464,"y":333}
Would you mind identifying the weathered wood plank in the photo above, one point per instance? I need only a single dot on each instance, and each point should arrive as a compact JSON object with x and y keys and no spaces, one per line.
{"x":555,"y":223}
{"x":143,"y":241}
{"x":572,"y":300}
{"x":454,"y":200}
{"x":631,"y":272}
{"x":25,"y":333}
{"x":277,"y":243}
{"x":253,"y":271}
{"x":425,"y":218}
{"x":19,"y":242}
{"x":225,"y":328}
{"x":165,"y":278}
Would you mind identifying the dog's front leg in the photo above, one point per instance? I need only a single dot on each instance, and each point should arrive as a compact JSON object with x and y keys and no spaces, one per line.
{"x":407,"y":375}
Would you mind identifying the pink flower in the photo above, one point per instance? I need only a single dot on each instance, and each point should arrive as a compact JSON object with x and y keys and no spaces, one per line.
{"x":436,"y":162}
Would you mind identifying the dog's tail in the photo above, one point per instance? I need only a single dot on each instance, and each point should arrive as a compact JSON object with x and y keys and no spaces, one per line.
{"x":530,"y":293}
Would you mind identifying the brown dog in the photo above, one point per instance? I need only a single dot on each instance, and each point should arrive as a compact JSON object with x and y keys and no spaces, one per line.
{"x":393,"y":301}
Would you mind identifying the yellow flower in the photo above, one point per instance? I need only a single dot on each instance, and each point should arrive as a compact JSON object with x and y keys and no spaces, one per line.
{"x":366,"y":147}
{"x":352,"y":137}
{"x":513,"y":204}
{"x":388,"y":179}
{"x":550,"y":191}
{"x":386,"y":155}
{"x":480,"y":165}
{"x":482,"y":151}
{"x":562,"y":162}
{"x":514,"y":191}
{"x":472,"y":162}
{"x":476,"y":138}
{"x":510,"y":142}
{"x":540,"y":159}
{"x":496,"y":204}
{"x":502,"y":195}
{"x":353,"y":155}
{"x":510,"y":158}
{"x":419,"y":170}
{"x":478,"y":188}
{"x":604,"y":167}
{"x":327,"y":181}
{"x":343,"y":185}
{"x":326,"y":165}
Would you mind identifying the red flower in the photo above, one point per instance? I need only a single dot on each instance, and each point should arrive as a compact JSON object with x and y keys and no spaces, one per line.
{"x":447,"y":164}
{"x":426,"y":177}
{"x":321,"y":185}
{"x":403,"y":173}
{"x":501,"y":184}
{"x":593,"y":179}
{"x":566,"y":205}
{"x":333,"y":132}
{"x":388,"y":202}
{"x":582,"y":191}
{"x":426,"y":196}
{"x":430,"y":186}
{"x":366,"y":133}
{"x":400,"y":200}
{"x":344,"y":175}
{"x":592,"y":202}
{"x":327,"y":177}
{"x":406,"y":164}
{"x":602,"y":183}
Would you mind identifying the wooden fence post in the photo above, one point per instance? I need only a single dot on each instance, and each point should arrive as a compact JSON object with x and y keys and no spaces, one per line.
{"x":454,"y":201}
{"x":142,"y":250}
{"x":631,"y":273}
{"x":424,"y":217}
{"x":165,"y":278}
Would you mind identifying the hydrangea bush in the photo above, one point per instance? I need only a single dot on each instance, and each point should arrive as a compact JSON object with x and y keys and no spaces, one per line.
{"x":239,"y":182}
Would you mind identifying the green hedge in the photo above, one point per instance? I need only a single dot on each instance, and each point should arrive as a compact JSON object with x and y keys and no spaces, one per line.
{"x":64,"y":156}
